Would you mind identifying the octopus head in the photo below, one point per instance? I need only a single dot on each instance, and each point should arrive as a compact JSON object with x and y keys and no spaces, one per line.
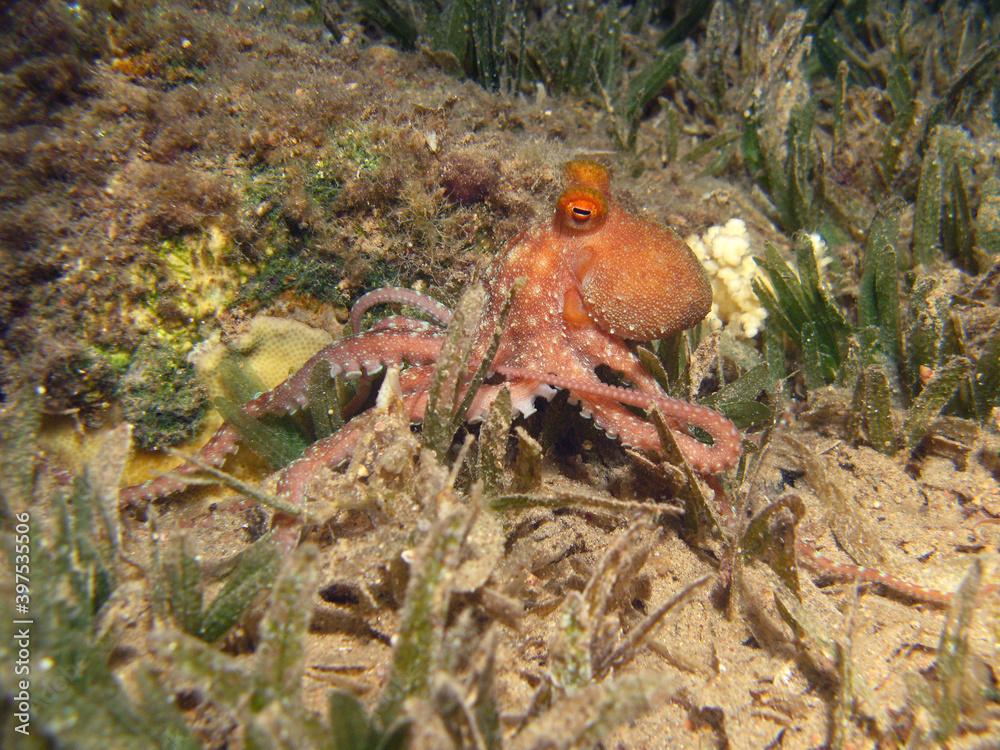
{"x":636,"y":279}
{"x":583,"y":206}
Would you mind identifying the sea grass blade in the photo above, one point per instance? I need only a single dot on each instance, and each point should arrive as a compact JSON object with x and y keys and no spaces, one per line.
{"x":979,"y":72}
{"x":254,"y":572}
{"x":323,"y":399}
{"x":439,"y":419}
{"x":805,"y":624}
{"x":227,"y":480}
{"x":184,"y":588}
{"x":901,"y":95}
{"x":953,"y":654}
{"x":929,"y":210}
{"x":522,"y":500}
{"x":986,"y":379}
{"x":528,"y":463}
{"x":484,"y":365}
{"x":769,"y":538}
{"x":391,"y":18}
{"x":276,"y":440}
{"x":775,"y":312}
{"x":20,"y":419}
{"x":493,"y":437}
{"x":878,"y":293}
{"x":815,"y":368}
{"x":873,"y":404}
{"x":830,"y":324}
{"x":417,"y":644}
{"x":674,"y":354}
{"x":350,"y":726}
{"x":737,"y":400}
{"x":450,"y":31}
{"x":800,"y":210}
{"x":933,"y":398}
{"x":787,"y":289}
{"x":280,"y":655}
{"x":485,"y":706}
{"x":928,"y":309}
{"x":957,"y":229}
{"x":700,"y":515}
{"x":653,"y":366}
{"x":684,"y":26}
{"x":647,"y":84}
{"x":443,"y":415}
{"x":746,"y":388}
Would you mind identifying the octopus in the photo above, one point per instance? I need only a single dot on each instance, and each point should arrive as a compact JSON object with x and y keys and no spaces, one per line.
{"x":569,"y":296}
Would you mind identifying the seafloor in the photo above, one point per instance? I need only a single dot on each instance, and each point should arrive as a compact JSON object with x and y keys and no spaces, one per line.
{"x":189,"y":186}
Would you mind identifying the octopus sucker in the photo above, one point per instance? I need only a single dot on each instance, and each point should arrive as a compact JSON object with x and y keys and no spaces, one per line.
{"x":581,"y":286}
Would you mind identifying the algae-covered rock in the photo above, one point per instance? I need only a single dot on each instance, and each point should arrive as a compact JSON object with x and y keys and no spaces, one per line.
{"x":161,"y":396}
{"x":78,"y":380}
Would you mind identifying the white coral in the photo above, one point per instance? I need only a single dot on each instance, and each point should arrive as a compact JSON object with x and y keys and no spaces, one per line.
{"x":726,"y":255}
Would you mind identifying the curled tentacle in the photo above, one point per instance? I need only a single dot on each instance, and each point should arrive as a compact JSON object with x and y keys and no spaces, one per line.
{"x":401,"y":295}
{"x":404,"y":324}
{"x":602,"y":399}
{"x":617,"y":422}
{"x":367,"y":352}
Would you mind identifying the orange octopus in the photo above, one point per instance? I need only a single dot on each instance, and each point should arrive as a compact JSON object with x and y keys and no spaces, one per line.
{"x":584,"y":284}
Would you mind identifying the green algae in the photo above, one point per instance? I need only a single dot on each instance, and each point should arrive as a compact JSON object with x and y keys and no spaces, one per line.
{"x":161,"y":396}
{"x":296,"y":273}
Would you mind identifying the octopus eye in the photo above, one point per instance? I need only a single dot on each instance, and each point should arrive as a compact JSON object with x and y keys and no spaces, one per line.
{"x":583,"y":213}
{"x":582,"y":208}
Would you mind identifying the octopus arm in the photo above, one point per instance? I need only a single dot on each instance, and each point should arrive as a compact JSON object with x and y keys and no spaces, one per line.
{"x":368,"y":351}
{"x":339,"y":447}
{"x":223,"y":443}
{"x":604,"y":400}
{"x":400,"y":295}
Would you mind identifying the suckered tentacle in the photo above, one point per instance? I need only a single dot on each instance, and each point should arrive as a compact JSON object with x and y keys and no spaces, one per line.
{"x":368,"y":352}
{"x":219,"y":447}
{"x":335,"y":449}
{"x":398,"y":295}
{"x":618,"y":423}
{"x":723,"y":454}
{"x":415,"y":379}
